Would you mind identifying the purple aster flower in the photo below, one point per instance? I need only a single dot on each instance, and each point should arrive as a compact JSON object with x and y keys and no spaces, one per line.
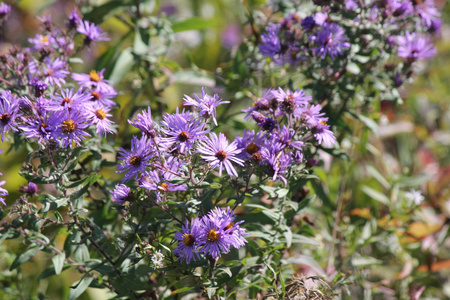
{"x":320,"y":18}
{"x":188,"y":241}
{"x":351,"y":5}
{"x":74,"y":20}
{"x":71,"y":127}
{"x":276,"y":162}
{"x":5,"y":9}
{"x":55,"y":71}
{"x":308,"y":23}
{"x":137,"y":159}
{"x":40,"y":42}
{"x":152,"y":181}
{"x":39,"y":87}
{"x":104,"y":97}
{"x":233,"y":229}
{"x":9,"y":107}
{"x":206,"y":105}
{"x":413,"y":47}
{"x":268,"y":124}
{"x":40,"y":126}
{"x":220,"y":153}
{"x":182,"y":132}
{"x":120,"y":194}
{"x":427,"y":11}
{"x":99,"y":117}
{"x":289,"y":101}
{"x":310,"y":114}
{"x":92,"y":32}
{"x":29,"y":189}
{"x":94,"y":80}
{"x":323,"y":134}
{"x":215,"y":236}
{"x":286,"y":138}
{"x":263,"y":103}
{"x":331,"y":39}
{"x":270,"y":42}
{"x":250,"y":143}
{"x":69,"y":99}
{"x":144,"y":123}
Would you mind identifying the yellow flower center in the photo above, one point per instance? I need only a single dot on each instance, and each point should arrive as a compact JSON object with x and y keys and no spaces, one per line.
{"x":44,"y":39}
{"x":164,"y":187}
{"x":212,"y":235}
{"x":68,"y":126}
{"x":94,"y":76}
{"x":252,"y":148}
{"x":229,"y":226}
{"x":183,"y":136}
{"x":4,"y":118}
{"x":221,"y":155}
{"x":188,"y":239}
{"x":135,"y":160}
{"x":100,"y":114}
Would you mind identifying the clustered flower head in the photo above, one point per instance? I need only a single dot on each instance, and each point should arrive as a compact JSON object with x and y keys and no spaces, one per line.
{"x":46,"y":110}
{"x":211,"y":235}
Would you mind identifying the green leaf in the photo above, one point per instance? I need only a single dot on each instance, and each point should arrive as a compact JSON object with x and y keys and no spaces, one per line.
{"x":353,"y":68}
{"x":25,"y":256}
{"x":376,"y":195}
{"x":360,"y":261}
{"x":123,"y":64}
{"x":58,"y":262}
{"x":185,"y":289}
{"x":194,"y":78}
{"x":211,"y":291}
{"x":99,"y":13}
{"x":79,"y":287}
{"x":215,"y":185}
{"x":195,"y":23}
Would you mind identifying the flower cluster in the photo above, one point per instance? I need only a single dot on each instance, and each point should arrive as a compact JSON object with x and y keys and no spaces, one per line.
{"x":326,"y":33}
{"x":212,"y":234}
{"x":293,"y":40}
{"x":43,"y":108}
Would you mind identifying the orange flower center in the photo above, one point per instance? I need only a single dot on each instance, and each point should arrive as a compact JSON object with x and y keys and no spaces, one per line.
{"x":66,"y":100}
{"x":95,"y":96}
{"x":164,"y":187}
{"x":100,"y":114}
{"x":252,"y":148}
{"x":5,"y":118}
{"x":135,"y":160}
{"x":183,"y":136}
{"x":221,"y":155}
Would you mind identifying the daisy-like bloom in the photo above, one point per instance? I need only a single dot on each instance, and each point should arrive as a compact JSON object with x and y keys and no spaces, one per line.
{"x":310,"y":114}
{"x":181,"y":132}
{"x":270,"y":42}
{"x":322,"y":134}
{"x":40,"y":42}
{"x":289,"y":101}
{"x":94,"y":80}
{"x":250,"y":143}
{"x":5,"y":9}
{"x":263,"y":103}
{"x":331,"y":40}
{"x":277,"y":162}
{"x":71,"y":127}
{"x":144,"y":123}
{"x":9,"y":107}
{"x":427,"y":11}
{"x":152,"y":181}
{"x":157,"y":259}
{"x":69,"y":99}
{"x":286,"y":138}
{"x":413,"y":47}
{"x":99,"y":117}
{"x":92,"y":32}
{"x":414,"y":196}
{"x":40,"y":126}
{"x":120,"y":194}
{"x":188,"y":241}
{"x":55,"y":71}
{"x":74,"y":20}
{"x":218,"y":152}
{"x":215,"y":236}
{"x":206,"y":105}
{"x":137,"y":159}
{"x":104,"y":97}
{"x":233,"y":228}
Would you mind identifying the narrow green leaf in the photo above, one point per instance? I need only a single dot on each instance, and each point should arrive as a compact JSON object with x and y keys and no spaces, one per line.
{"x":376,"y":195}
{"x":123,"y":64}
{"x":79,"y":287}
{"x":24,"y":256}
{"x":58,"y":262}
